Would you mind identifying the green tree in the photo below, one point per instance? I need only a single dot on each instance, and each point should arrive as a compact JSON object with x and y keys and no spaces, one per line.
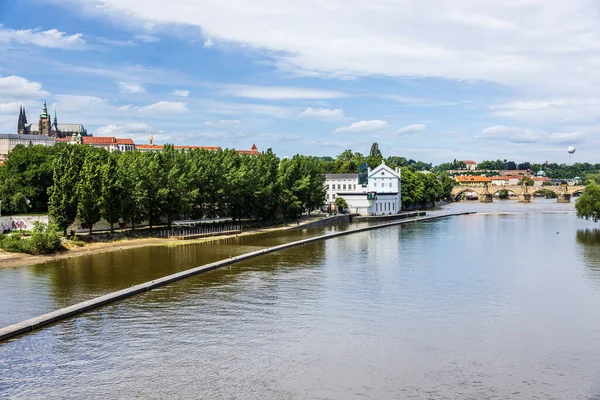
{"x":341,"y":204}
{"x":62,"y":205}
{"x":89,"y":189}
{"x":375,"y":157}
{"x":134,"y":195}
{"x":111,"y":197}
{"x":588,"y":204}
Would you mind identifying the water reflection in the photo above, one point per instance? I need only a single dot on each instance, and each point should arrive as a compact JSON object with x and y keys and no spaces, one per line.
{"x":589,"y":242}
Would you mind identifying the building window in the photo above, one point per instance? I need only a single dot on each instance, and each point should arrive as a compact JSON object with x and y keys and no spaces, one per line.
{"x":393,"y":206}
{"x":375,"y":184}
{"x":344,"y":186}
{"x":339,"y":186}
{"x":390,"y":184}
{"x":327,"y":196}
{"x":354,"y":187}
{"x":326,"y":187}
{"x":333,"y":196}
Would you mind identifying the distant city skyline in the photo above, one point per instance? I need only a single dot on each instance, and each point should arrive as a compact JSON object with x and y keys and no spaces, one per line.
{"x":484,"y":80}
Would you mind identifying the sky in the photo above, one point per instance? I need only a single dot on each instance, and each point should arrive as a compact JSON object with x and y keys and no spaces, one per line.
{"x":431,"y":80}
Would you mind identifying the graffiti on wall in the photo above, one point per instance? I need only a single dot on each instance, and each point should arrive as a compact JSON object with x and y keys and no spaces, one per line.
{"x":20,"y":223}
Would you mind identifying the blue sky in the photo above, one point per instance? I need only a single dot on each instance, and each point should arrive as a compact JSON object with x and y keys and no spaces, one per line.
{"x":430,"y":80}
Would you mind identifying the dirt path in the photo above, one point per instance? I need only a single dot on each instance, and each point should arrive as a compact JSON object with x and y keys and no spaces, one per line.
{"x":11,"y":260}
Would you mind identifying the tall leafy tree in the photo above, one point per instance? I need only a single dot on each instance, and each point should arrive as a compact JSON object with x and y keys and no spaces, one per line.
{"x":89,"y":188}
{"x":63,"y":199}
{"x":375,"y":157}
{"x":588,"y":204}
{"x":134,"y":196}
{"x":111,"y":197}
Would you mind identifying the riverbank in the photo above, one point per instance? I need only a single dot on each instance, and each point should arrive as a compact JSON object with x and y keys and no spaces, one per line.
{"x":13,"y":260}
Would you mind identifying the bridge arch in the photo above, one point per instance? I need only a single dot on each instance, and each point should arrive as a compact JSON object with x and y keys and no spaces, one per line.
{"x":495,"y":189}
{"x":458,"y":190}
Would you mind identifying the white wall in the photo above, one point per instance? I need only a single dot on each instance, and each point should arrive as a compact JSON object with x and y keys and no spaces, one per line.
{"x":20,"y":223}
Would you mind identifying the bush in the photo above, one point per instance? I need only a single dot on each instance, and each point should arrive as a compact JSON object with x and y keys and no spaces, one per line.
{"x":44,"y":239}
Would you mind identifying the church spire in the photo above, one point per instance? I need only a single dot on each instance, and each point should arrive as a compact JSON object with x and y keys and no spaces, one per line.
{"x":55,"y":121}
{"x":20,"y":124}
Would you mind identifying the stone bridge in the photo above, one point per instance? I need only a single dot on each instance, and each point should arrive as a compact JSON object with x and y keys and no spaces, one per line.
{"x":524,"y":193}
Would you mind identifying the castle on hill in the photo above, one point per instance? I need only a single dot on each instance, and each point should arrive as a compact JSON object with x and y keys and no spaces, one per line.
{"x":47,"y":127}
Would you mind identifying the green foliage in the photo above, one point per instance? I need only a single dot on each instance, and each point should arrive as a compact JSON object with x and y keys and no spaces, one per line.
{"x":111,"y":192}
{"x":25,"y":177}
{"x":62,"y":205}
{"x":44,"y":239}
{"x":89,"y":188}
{"x":588,"y":204}
{"x":375,"y":157}
{"x":527,"y":181}
{"x":419,"y":188}
{"x":340,"y":203}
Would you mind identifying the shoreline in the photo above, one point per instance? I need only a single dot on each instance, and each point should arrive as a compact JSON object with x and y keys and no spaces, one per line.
{"x":16,"y":260}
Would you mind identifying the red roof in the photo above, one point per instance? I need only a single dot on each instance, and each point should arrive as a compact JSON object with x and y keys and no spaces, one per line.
{"x":124,"y":141}
{"x":66,"y":139}
{"x":541,"y":179}
{"x":98,"y":140}
{"x":252,"y":151}
{"x":469,"y":162}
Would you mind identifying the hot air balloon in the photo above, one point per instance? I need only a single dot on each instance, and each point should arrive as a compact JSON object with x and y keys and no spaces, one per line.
{"x":570,"y":150}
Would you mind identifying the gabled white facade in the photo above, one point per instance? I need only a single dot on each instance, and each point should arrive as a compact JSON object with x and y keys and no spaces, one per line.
{"x":383,"y":181}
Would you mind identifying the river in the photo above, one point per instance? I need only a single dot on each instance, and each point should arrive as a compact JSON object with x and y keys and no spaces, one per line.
{"x":504,"y":304}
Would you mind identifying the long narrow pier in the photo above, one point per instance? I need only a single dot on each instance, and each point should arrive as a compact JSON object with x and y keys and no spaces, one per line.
{"x":79,"y":308}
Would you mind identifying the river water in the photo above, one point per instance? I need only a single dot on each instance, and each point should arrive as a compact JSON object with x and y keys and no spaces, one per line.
{"x":504,"y":304}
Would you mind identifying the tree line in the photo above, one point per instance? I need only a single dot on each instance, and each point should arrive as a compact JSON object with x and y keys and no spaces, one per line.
{"x":81,"y":182}
{"x":70,"y":182}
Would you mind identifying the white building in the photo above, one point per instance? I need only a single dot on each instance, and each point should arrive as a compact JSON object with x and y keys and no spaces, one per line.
{"x":380,"y":196}
{"x":8,"y":141}
{"x":342,"y":184}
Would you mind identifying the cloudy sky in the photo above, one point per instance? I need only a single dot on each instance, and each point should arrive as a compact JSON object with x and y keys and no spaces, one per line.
{"x":431,"y":80}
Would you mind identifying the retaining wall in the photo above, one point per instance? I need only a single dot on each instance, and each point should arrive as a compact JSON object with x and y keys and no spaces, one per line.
{"x":333,"y":220}
{"x":76,"y":309}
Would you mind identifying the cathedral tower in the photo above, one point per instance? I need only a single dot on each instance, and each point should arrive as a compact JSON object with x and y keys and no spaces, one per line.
{"x":45,"y":124}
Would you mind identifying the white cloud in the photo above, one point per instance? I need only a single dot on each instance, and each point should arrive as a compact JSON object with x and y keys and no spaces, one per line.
{"x":363,"y":127}
{"x":208,"y":43}
{"x":510,"y":134}
{"x":147,"y":38}
{"x":224,"y":123}
{"x":323,"y":113}
{"x":129,"y":87}
{"x":566,"y":137}
{"x":280,"y":93}
{"x":235,"y":109}
{"x":51,"y":38}
{"x":17,"y":87}
{"x":75,"y":103}
{"x":123,"y":130}
{"x":167,"y":107}
{"x":408,"y":129}
{"x":507,"y":43}
{"x":181,"y":93}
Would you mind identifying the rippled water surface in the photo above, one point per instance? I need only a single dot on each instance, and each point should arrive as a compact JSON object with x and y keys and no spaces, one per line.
{"x":500,"y":305}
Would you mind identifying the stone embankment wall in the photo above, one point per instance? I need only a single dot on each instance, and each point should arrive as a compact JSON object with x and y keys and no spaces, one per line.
{"x":404,"y":215}
{"x":334,"y":220}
